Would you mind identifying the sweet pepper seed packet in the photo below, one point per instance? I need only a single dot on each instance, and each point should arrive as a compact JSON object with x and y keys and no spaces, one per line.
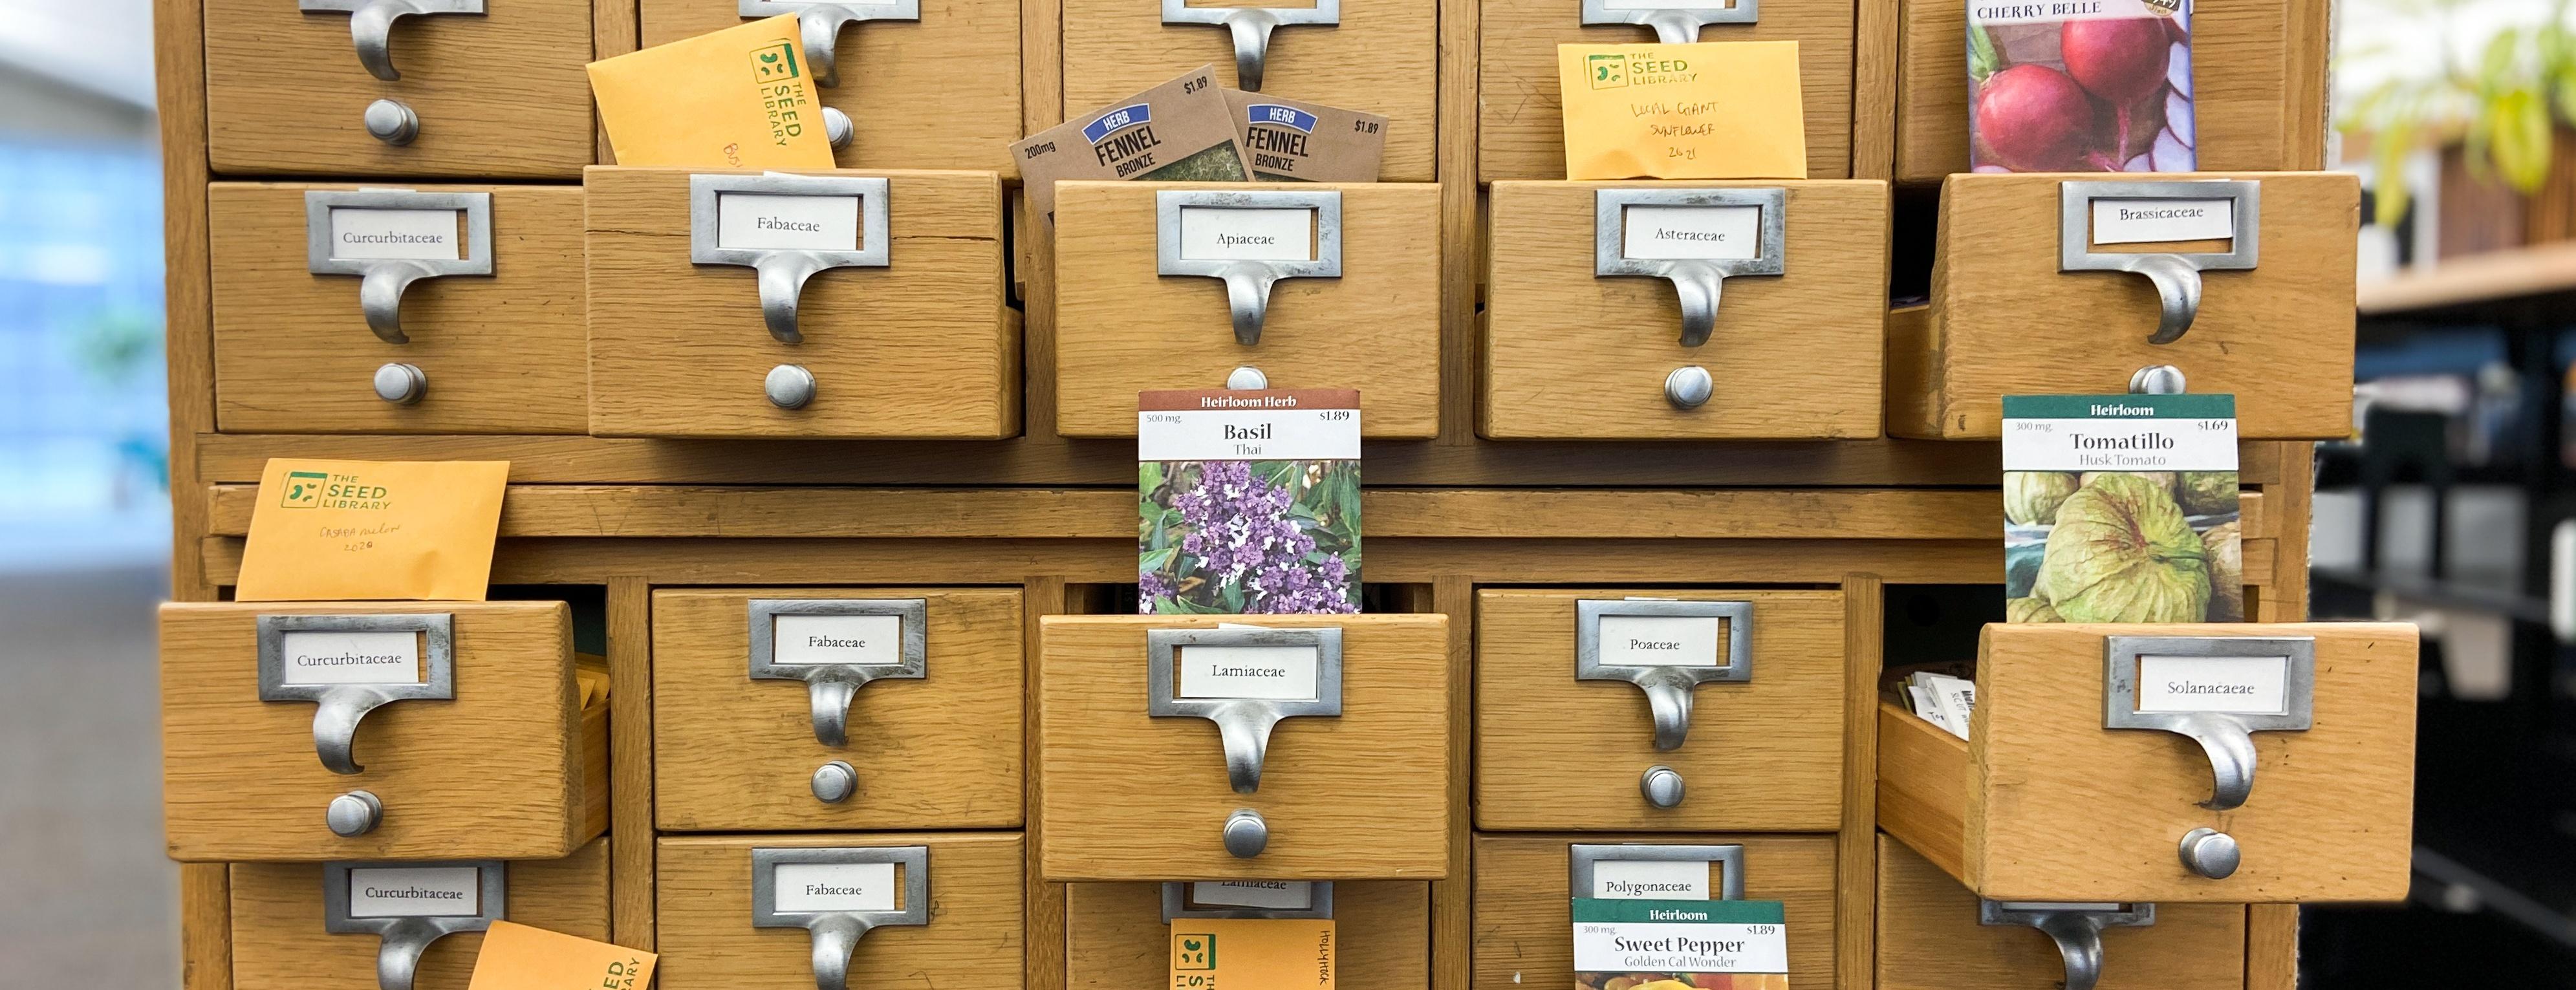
{"x":2089,"y":86}
{"x":1248,"y":502}
{"x":2121,"y":508}
{"x":1633,"y":944}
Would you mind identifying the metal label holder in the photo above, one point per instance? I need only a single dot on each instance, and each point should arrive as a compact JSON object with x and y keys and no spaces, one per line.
{"x":2176,"y":276}
{"x":820,"y":21}
{"x":2076,"y":928}
{"x":1243,"y":724}
{"x":371,"y":24}
{"x":2226,"y":737}
{"x":1582,"y":858}
{"x":836,"y":934}
{"x":1698,"y":282}
{"x":405,"y":938}
{"x":1675,"y":24}
{"x":339,"y":707}
{"x":831,"y":687}
{"x":1668,"y":688}
{"x":382,"y":281}
{"x":1251,"y":28}
{"x":783,"y":271}
{"x":1247,"y":282}
{"x":1176,"y":905}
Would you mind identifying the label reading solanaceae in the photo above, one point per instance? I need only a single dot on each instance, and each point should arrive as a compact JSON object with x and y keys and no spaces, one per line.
{"x":2240,"y":685}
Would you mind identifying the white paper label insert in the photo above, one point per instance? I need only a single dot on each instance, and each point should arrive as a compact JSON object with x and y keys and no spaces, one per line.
{"x":416,"y":892}
{"x":1659,"y":640}
{"x":805,"y":888}
{"x":761,"y":221}
{"x":2139,"y":221}
{"x":810,"y":639}
{"x":2240,"y":685}
{"x":1220,"y":233}
{"x":342,"y":657}
{"x":413,"y":235}
{"x":1276,"y":895}
{"x":1715,"y":233}
{"x":1651,"y":879}
{"x":1277,"y":673}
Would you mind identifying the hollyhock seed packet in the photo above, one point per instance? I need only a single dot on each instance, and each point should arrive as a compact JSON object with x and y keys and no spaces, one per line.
{"x":2080,"y":86}
{"x":1248,"y":502}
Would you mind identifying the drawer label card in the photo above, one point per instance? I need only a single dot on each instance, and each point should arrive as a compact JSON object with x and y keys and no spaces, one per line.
{"x":409,"y":235}
{"x":1215,"y":233}
{"x":1645,"y":941}
{"x":1659,"y":640}
{"x":1284,"y":895}
{"x":1277,"y":673}
{"x":807,"y":888}
{"x":1693,"y":232}
{"x":875,"y":640}
{"x":351,"y":657}
{"x":415,"y":892}
{"x":1650,"y":879}
{"x":2237,"y":685}
{"x":761,"y":221}
{"x":2140,"y":221}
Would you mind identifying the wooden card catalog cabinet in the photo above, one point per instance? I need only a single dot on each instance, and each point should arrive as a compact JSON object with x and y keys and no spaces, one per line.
{"x":839,"y":911}
{"x":385,"y":925}
{"x":1522,"y":907}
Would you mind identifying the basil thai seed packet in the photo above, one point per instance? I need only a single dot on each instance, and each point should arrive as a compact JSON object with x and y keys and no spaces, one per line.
{"x":1248,"y":501}
{"x":1180,"y":131}
{"x":1297,"y":141}
{"x":1628,"y":944}
{"x":2121,"y":508}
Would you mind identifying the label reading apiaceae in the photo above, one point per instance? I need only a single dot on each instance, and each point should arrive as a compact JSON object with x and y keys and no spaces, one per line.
{"x":1219,"y":233}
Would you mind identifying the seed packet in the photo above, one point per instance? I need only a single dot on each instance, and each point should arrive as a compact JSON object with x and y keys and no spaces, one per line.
{"x":1249,"y":502}
{"x":1642,"y":944}
{"x":1712,"y":110}
{"x":2096,"y":86}
{"x":736,"y":98}
{"x":1297,"y":141}
{"x":2121,"y":508}
{"x":1179,"y":131}
{"x":372,"y":531}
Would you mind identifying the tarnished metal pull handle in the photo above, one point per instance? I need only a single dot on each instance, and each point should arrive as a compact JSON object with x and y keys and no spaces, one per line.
{"x":782,"y":284}
{"x":398,"y":958}
{"x":1699,"y":285}
{"x":2177,"y":292}
{"x":821,"y":24}
{"x":1245,"y":730}
{"x":831,"y":702}
{"x":2231,"y":758}
{"x":2079,"y":940}
{"x":2075,"y":928}
{"x":1247,"y":299}
{"x":1670,"y":701}
{"x":836,"y":940}
{"x":1673,"y":27}
{"x":380,"y":293}
{"x":371,"y":25}
{"x":1251,"y":30}
{"x":335,"y":724}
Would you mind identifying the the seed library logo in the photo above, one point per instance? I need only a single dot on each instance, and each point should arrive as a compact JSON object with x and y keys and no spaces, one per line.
{"x":303,"y":489}
{"x":776,"y":63}
{"x":1196,"y":952}
{"x":1608,"y":71}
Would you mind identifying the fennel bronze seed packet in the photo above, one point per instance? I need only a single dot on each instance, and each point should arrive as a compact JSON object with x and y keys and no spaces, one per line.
{"x":1297,"y":141}
{"x":1248,"y":502}
{"x":2121,"y":508}
{"x":1179,"y":131}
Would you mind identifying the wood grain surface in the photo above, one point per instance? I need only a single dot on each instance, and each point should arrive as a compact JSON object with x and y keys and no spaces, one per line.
{"x":504,"y":353}
{"x":1127,"y":796}
{"x":1115,"y":938}
{"x":1553,"y":752}
{"x":735,"y":754}
{"x":504,"y":771}
{"x":2256,"y":79}
{"x":279,"y":943}
{"x":1382,"y":58}
{"x":1521,"y":126}
{"x":1121,"y":328}
{"x":630,"y":671}
{"x":939,"y":92}
{"x":2005,"y":321}
{"x":1571,"y":355}
{"x":973,"y":938}
{"x":922,"y":348}
{"x":1523,"y":915}
{"x":500,"y":95}
{"x":1855,"y":845}
{"x":1922,"y":786}
{"x":1929,"y":939}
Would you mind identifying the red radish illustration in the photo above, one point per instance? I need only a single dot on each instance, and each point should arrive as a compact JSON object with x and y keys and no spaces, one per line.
{"x":2034,"y":118}
{"x":2121,"y":60}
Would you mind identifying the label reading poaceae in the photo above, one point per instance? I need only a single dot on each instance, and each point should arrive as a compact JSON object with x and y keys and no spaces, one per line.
{"x":1222,"y":233}
{"x":416,"y":892}
{"x":350,"y":657}
{"x":1277,"y":673}
{"x":862,"y":639}
{"x":1276,"y":895}
{"x":2241,"y":685}
{"x":366,"y":233}
{"x":1659,"y":640}
{"x":1651,"y":879}
{"x":1715,"y":233}
{"x":2119,"y":433}
{"x":809,"y":887}
{"x":761,"y":221}
{"x":2139,"y":221}
{"x":1248,"y":425}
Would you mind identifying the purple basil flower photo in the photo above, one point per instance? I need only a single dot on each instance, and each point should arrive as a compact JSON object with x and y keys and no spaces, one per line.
{"x":1248,"y":537}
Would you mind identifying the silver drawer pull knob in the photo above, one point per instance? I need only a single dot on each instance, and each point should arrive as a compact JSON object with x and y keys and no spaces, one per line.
{"x":2210,"y":853}
{"x":354,"y":814}
{"x":2157,"y":379}
{"x":401,"y":384}
{"x":1689,"y":387}
{"x":1662,"y":786}
{"x":837,"y":128}
{"x":392,"y":122}
{"x":1246,"y":834}
{"x":834,"y":782}
{"x":1246,"y":378}
{"x":789,"y":386}
{"x":371,"y":25}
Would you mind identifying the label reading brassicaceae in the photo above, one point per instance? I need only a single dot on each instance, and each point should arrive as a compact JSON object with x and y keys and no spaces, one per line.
{"x":1659,"y":640}
{"x":348,"y":657}
{"x":1277,"y":673}
{"x":1703,"y":232}
{"x":2139,"y":221}
{"x":1247,"y":425}
{"x":1674,"y":937}
{"x":1277,"y":895}
{"x":416,"y":892}
{"x":866,"y":639}
{"x":1651,"y":879}
{"x":1222,"y":233}
{"x":2119,"y":433}
{"x":2243,"y":685}
{"x":809,"y":887}
{"x":761,"y":221}
{"x":361,"y":233}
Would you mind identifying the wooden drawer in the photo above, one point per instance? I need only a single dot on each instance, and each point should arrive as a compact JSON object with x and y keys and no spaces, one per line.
{"x":973,"y":935}
{"x":1570,"y":354}
{"x":1524,"y":923}
{"x":499,"y":95}
{"x":279,"y":942}
{"x":501,"y":352}
{"x":2044,"y":803}
{"x":1520,"y":120}
{"x":2004,"y":320}
{"x":1929,"y":938}
{"x":511,"y":768}
{"x":1115,"y":937}
{"x":922,"y":347}
{"x":2252,"y":75}
{"x":1121,"y":328}
{"x":1761,"y":754}
{"x":942,"y":91}
{"x":1131,"y":796}
{"x":736,"y":753}
{"x":1383,"y":58}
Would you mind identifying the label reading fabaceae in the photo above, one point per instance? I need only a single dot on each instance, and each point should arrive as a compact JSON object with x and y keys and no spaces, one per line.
{"x":863,"y":639}
{"x":1219,"y":233}
{"x":1277,"y":673}
{"x":1714,"y":233}
{"x":1650,"y":879}
{"x":1659,"y":640}
{"x":415,"y":892}
{"x":2241,"y":685}
{"x":1277,"y":895}
{"x":341,"y":657}
{"x":762,"y":221}
{"x":2140,"y":221}
{"x":362,"y":233}
{"x":809,"y":887}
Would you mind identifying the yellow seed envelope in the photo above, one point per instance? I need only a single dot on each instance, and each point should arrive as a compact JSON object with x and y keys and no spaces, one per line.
{"x":373,"y":530}
{"x":737,"y":98}
{"x":517,"y":957}
{"x":1252,"y":954}
{"x":1713,"y":110}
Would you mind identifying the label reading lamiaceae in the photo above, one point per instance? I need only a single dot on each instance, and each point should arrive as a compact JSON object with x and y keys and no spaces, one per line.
{"x":863,"y":639}
{"x":1277,"y":895}
{"x":416,"y":892}
{"x":810,"y":887}
{"x":795,"y":223}
{"x":1702,"y":232}
{"x":2138,"y":221}
{"x":1217,"y":233}
{"x":2119,"y":433}
{"x":360,"y":233}
{"x":1277,"y":673}
{"x":1222,"y":425}
{"x":1650,"y":879}
{"x":1659,"y":640}
{"x":2242,"y":685}
{"x":1662,"y":937}
{"x":336,"y":657}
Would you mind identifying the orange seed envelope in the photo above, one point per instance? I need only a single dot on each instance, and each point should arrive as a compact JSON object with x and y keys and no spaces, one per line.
{"x":517,"y":957}
{"x":1252,"y":954}
{"x":1713,"y":110}
{"x":373,"y":530}
{"x":742,"y":97}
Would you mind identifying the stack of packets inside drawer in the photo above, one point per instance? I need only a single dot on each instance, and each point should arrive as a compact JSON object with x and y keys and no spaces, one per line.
{"x":1711,"y":110}
{"x":1942,"y":699}
{"x":2121,"y":508}
{"x":1189,"y":129}
{"x":1249,"y":502}
{"x":1664,"y":940}
{"x":742,"y":97}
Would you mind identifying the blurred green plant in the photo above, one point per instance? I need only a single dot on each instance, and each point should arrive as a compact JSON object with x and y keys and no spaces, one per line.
{"x":2502,"y":110}
{"x":116,"y":342}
